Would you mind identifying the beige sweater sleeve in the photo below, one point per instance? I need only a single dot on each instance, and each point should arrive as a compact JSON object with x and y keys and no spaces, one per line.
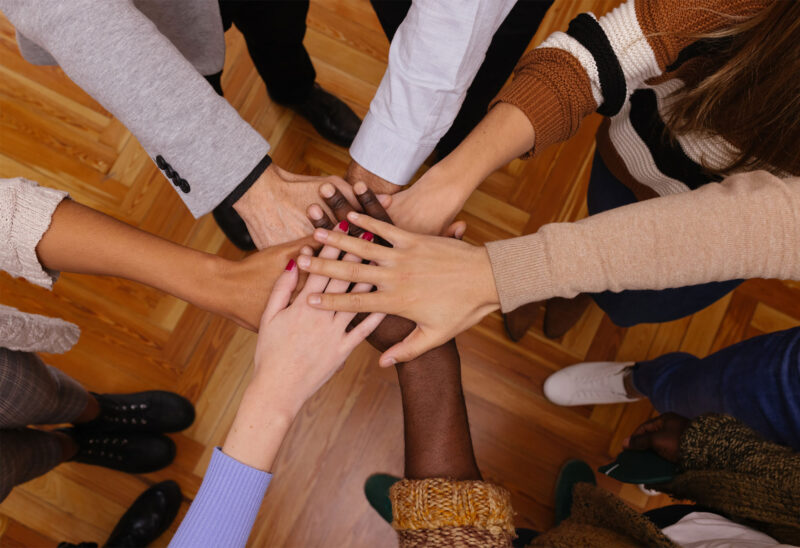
{"x":747,"y":226}
{"x":25,"y":212}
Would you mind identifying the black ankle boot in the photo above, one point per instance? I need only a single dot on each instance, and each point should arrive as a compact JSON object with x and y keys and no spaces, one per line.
{"x":329,"y":115}
{"x":148,"y":517}
{"x":135,"y":453}
{"x":152,"y":411}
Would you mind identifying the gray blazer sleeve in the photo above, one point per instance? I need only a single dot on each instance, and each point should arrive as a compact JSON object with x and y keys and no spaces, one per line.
{"x":119,"y":56}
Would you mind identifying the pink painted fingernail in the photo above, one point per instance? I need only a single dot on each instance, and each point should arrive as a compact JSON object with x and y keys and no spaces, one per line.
{"x":290,"y":265}
{"x":343,"y":226}
{"x":367,"y":236}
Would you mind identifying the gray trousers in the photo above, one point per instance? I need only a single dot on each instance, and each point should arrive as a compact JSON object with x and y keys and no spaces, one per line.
{"x":32,"y":393}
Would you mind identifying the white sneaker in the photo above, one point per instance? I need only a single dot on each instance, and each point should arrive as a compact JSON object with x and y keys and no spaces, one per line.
{"x":588,"y":383}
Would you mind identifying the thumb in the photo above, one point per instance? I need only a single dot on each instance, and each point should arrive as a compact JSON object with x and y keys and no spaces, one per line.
{"x":414,"y":345}
{"x":281,"y":292}
{"x":455,"y":230}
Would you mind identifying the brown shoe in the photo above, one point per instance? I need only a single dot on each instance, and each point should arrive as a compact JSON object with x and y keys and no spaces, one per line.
{"x":517,"y":322}
{"x":561,"y":314}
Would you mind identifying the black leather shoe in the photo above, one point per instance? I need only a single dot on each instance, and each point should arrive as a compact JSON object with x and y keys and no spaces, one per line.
{"x":152,"y":411}
{"x":232,"y":225}
{"x":148,"y":517}
{"x":330,"y":116}
{"x":132,"y":452}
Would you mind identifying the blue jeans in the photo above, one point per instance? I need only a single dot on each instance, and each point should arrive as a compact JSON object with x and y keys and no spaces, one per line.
{"x":628,"y":308}
{"x":756,"y":381}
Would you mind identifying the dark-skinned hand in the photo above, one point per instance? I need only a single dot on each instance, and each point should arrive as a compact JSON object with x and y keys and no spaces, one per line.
{"x":393,"y":328}
{"x":662,"y":435}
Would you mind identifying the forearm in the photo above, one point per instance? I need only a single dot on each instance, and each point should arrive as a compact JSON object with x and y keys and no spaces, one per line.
{"x":120,"y":58}
{"x":85,"y":241}
{"x":259,"y":427}
{"x":437,"y":437}
{"x":715,"y":233}
{"x":504,"y":134}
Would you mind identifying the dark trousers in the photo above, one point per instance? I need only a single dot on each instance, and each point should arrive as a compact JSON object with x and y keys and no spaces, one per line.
{"x":757,"y":381}
{"x":628,"y":308}
{"x":273,"y":31}
{"x":507,"y":46}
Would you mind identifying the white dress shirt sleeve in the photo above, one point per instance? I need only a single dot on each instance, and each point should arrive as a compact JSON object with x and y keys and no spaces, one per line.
{"x":433,"y":59}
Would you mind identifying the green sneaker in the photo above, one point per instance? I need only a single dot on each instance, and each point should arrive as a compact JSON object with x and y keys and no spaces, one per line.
{"x":376,"y":488}
{"x":574,"y":471}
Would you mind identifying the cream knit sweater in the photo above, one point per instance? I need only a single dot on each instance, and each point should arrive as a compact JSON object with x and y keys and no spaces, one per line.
{"x":25,"y":213}
{"x":747,"y":226}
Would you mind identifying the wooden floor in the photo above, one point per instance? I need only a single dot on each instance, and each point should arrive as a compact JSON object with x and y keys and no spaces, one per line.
{"x":135,"y":338}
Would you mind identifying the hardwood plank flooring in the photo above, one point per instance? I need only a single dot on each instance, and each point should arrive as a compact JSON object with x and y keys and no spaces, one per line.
{"x":136,"y":338}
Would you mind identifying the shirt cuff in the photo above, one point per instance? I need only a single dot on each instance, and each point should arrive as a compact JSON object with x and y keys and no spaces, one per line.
{"x":378,"y":149}
{"x":521,"y":269}
{"x":226,"y":506}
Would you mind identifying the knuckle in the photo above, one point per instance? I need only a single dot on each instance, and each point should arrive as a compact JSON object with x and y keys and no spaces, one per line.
{"x":355,"y":300}
{"x":354,"y":271}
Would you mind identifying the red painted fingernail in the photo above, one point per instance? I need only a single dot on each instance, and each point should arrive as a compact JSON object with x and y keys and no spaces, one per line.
{"x":367,"y":236}
{"x":290,"y":265}
{"x":343,"y":226}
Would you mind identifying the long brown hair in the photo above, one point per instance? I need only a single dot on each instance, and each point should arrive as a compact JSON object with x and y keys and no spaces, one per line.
{"x":749,"y":92}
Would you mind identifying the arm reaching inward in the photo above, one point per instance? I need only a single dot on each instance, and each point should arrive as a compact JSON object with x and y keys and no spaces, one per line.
{"x":122,"y":59}
{"x":420,"y":93}
{"x":748,"y":226}
{"x":45,"y":233}
{"x":298,"y":350}
{"x":594,"y":66}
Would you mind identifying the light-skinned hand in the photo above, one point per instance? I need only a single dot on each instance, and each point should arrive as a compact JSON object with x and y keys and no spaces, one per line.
{"x":442,"y":284}
{"x":274,"y":208}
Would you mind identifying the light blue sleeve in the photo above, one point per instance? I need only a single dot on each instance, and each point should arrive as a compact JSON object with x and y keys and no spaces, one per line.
{"x":226,"y":506}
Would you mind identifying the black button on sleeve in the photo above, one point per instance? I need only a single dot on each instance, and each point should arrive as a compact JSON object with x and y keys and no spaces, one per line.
{"x":161,"y":163}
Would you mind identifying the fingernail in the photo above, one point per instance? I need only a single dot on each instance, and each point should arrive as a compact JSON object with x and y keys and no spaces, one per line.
{"x":303,"y":261}
{"x":290,"y":265}
{"x":314,"y":299}
{"x":367,"y":236}
{"x":321,"y":234}
{"x":360,"y":187}
{"x":387,"y":362}
{"x":343,"y":226}
{"x":353,"y":216}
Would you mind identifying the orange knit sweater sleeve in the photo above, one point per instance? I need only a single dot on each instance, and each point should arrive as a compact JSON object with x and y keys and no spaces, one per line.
{"x":442,"y":512}
{"x":598,"y":63}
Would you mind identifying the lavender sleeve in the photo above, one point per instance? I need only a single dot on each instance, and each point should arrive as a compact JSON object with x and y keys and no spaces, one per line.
{"x":225,"y":507}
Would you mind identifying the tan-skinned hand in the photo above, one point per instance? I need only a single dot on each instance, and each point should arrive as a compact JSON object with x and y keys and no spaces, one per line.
{"x":442,"y":284}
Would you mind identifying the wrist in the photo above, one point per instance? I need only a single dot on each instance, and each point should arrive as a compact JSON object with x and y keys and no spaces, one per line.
{"x":356,"y":172}
{"x":254,"y":197}
{"x":258,"y":430}
{"x":487,"y":295}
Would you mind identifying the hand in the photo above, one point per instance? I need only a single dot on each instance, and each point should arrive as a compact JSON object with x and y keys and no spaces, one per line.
{"x":274,"y":207}
{"x":430,"y":205}
{"x":393,"y":328}
{"x":444,"y":285}
{"x":662,"y":434}
{"x":299,"y":347}
{"x":242,"y":288}
{"x":297,"y":351}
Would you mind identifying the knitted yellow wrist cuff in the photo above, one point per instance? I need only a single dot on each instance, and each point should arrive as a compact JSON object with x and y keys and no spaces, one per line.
{"x":436,"y":503}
